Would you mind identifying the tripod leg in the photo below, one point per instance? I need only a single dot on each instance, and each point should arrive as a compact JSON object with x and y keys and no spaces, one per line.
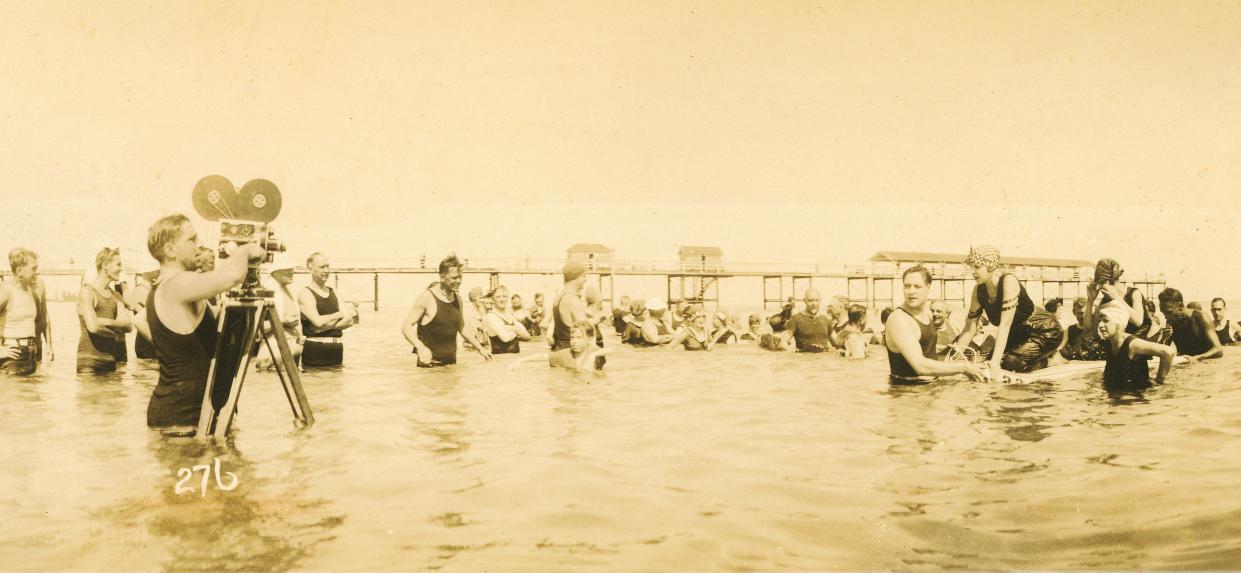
{"x":207,"y":415}
{"x":290,"y":378}
{"x":250,"y":321}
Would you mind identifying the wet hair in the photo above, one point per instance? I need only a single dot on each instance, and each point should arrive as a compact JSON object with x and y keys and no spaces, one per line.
{"x":165,"y":230}
{"x":1219,"y":300}
{"x":20,"y":257}
{"x":926,"y":274}
{"x":1053,"y":305}
{"x":1171,"y":296}
{"x":857,"y":313}
{"x":107,"y":255}
{"x":884,"y":314}
{"x":1079,"y":303}
{"x":450,"y":262}
{"x":312,"y":256}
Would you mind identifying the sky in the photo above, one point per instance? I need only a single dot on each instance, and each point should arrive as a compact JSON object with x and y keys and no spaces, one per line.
{"x":783,"y":132}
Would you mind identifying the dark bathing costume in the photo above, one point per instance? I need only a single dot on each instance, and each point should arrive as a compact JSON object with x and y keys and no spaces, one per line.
{"x":811,"y":333}
{"x":1224,"y":335}
{"x":1034,"y":335}
{"x":440,"y":335}
{"x":902,"y":371}
{"x":322,"y":352}
{"x":97,"y":352}
{"x":1123,"y":372}
{"x":561,"y":333}
{"x":184,"y":360}
{"x":1186,"y":336}
{"x":499,"y":346}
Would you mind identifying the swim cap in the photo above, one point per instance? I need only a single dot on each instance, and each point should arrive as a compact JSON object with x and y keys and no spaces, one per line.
{"x":573,"y":270}
{"x":282,"y":262}
{"x":1115,"y":311}
{"x":983,"y":256}
{"x":656,"y":304}
{"x":1108,"y":270}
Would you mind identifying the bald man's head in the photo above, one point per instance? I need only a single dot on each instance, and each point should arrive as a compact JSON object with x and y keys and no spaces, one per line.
{"x":812,"y":299}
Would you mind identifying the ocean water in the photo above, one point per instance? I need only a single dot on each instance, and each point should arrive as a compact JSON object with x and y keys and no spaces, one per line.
{"x":733,"y":460}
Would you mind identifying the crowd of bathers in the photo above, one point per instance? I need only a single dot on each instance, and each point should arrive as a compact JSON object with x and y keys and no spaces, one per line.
{"x":171,"y":310}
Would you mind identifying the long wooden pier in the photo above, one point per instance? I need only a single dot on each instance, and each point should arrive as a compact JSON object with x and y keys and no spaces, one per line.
{"x":868,"y":284}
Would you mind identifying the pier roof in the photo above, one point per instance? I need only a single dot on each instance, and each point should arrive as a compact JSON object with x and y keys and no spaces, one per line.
{"x":916,"y":257}
{"x":692,"y":250}
{"x":589,"y":248}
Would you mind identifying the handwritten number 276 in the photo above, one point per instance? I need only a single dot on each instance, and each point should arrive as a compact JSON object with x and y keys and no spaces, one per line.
{"x":186,"y":473}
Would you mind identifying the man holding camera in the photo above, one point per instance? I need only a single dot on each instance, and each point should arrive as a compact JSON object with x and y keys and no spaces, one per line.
{"x":182,"y":327}
{"x":323,"y":322}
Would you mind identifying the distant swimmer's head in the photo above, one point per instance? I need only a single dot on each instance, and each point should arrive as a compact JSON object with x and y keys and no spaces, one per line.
{"x":108,"y":263}
{"x":1079,"y":309}
{"x":282,"y":269}
{"x":1107,"y":271}
{"x":637,"y":307}
{"x":983,"y":260}
{"x":320,"y":268}
{"x":915,"y":281}
{"x":1219,"y":309}
{"x":1112,"y":318}
{"x":592,"y":296}
{"x":25,"y":265}
{"x":581,"y":337}
{"x":204,"y":260}
{"x":755,"y":321}
{"x":514,"y":301}
{"x":573,"y":270}
{"x":450,"y":273}
{"x":656,"y":306}
{"x":812,"y":299}
{"x":857,"y":315}
{"x":499,"y":297}
{"x":1172,"y":303}
{"x":939,"y":313}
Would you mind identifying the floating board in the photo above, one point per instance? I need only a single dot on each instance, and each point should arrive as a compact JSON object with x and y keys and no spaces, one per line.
{"x":1062,"y":371}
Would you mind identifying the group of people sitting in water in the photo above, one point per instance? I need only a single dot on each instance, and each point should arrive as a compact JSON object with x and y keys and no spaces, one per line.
{"x":1004,"y":330}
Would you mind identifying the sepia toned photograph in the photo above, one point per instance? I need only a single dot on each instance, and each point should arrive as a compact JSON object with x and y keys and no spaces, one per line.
{"x":596,"y":286}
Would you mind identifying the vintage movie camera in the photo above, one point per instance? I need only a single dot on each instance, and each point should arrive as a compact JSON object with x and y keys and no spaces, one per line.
{"x":247,"y":318}
{"x":244,"y":216}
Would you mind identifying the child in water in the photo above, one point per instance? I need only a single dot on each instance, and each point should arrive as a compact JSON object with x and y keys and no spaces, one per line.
{"x":581,"y":355}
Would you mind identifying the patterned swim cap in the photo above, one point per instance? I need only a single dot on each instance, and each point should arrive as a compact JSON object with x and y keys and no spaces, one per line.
{"x":983,"y":256}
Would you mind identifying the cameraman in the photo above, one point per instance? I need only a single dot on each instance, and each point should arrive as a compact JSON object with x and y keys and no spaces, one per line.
{"x":182,"y":327}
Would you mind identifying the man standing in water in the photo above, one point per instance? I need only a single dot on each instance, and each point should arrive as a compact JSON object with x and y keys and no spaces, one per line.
{"x":323,"y":322}
{"x":181,"y":324}
{"x":435,"y":320}
{"x":103,"y":324}
{"x":810,"y":331}
{"x":910,"y":336}
{"x":568,"y":310}
{"x":1225,"y":330}
{"x":1192,"y":331}
{"x":24,"y":324}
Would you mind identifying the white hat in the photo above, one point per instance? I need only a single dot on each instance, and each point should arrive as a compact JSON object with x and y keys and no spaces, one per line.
{"x":282,"y":262}
{"x":656,"y":304}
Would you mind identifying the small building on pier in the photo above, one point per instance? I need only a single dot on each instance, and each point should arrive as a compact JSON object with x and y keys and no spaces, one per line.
{"x":593,"y":256}
{"x":701,"y":259}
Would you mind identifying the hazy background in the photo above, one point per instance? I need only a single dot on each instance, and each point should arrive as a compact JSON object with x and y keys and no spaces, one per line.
{"x":778,"y":131}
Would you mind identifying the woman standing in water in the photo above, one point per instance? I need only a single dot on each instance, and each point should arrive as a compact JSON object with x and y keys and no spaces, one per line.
{"x":1026,"y":334}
